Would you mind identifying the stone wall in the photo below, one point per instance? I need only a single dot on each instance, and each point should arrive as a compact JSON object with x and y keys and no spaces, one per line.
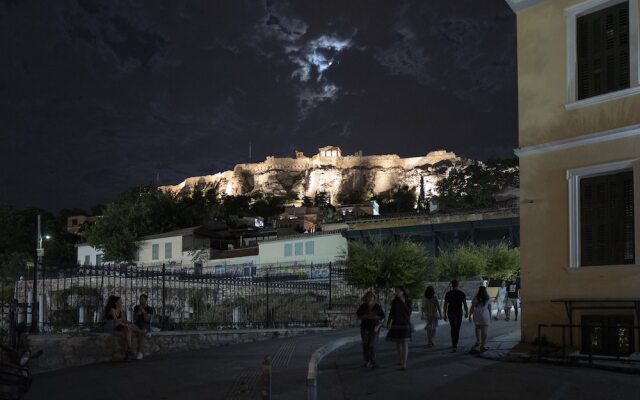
{"x":83,"y":348}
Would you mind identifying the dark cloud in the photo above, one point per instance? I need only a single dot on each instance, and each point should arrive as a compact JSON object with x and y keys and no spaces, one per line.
{"x":99,"y":96}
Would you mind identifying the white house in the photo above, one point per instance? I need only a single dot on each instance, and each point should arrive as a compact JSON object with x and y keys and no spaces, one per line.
{"x":179,"y":248}
{"x":304,"y":249}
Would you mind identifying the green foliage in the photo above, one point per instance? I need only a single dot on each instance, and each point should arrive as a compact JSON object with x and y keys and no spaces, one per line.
{"x":18,"y":237}
{"x":355,"y":197}
{"x":141,"y":211}
{"x":384,"y":265}
{"x":473,"y":186}
{"x":398,"y":200}
{"x":267,"y":207}
{"x":463,"y":262}
{"x":471,"y":261}
{"x":502,"y":261}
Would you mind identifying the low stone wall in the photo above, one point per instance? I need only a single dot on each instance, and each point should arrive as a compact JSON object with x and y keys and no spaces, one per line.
{"x":84,"y":348}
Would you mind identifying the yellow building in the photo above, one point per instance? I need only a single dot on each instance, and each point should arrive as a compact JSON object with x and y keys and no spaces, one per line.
{"x":579,"y":150}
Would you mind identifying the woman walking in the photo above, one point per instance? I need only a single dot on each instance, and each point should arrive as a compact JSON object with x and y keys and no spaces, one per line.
{"x":431,"y":313}
{"x":371,"y":316}
{"x":481,"y":312}
{"x":399,"y":324}
{"x":500,"y":299}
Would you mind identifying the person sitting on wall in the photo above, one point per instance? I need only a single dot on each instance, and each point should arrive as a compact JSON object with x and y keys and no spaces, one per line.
{"x":116,"y":323}
{"x":142,"y":318}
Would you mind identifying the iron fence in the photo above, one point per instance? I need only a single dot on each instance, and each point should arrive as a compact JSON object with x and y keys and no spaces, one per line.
{"x":72,"y":298}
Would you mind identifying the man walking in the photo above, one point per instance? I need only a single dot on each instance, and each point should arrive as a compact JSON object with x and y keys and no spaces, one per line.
{"x":454,"y":301}
{"x":513,"y":297}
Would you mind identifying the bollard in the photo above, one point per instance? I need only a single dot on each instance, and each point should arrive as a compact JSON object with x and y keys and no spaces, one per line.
{"x":266,"y":378}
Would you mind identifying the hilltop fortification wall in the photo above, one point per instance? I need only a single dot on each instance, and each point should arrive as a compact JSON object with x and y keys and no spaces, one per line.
{"x":328,"y":171}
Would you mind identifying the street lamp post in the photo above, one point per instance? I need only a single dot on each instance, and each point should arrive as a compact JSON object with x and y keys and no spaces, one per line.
{"x":34,"y":291}
{"x":34,"y":298}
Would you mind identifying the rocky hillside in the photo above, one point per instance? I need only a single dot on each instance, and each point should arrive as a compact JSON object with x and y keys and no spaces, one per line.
{"x":330,"y":172}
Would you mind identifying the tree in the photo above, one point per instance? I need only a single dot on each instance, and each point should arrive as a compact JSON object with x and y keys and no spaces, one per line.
{"x":18,"y":237}
{"x":382,"y":265}
{"x":140,"y":211}
{"x":502,"y":261}
{"x":470,"y":261}
{"x":398,"y":200}
{"x":462,"y":262}
{"x":267,"y":207}
{"x":473,"y":186}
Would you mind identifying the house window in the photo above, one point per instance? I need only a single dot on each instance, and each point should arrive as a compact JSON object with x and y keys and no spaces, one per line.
{"x":87,"y":260}
{"x":603,"y":225}
{"x":155,"y":251}
{"x":298,"y":248}
{"x":74,"y":222}
{"x":98,"y":260}
{"x":288,"y":250}
{"x":167,"y":251}
{"x":602,"y":52}
{"x":309,"y":247}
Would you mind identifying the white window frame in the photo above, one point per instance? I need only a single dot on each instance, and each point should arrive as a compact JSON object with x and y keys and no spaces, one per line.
{"x":587,"y":7}
{"x":573,"y":178}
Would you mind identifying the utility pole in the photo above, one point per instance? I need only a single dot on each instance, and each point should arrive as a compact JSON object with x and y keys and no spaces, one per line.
{"x":34,"y":292}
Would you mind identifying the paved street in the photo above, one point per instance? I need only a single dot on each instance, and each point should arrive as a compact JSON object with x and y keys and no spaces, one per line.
{"x":437,"y":374}
{"x":232,"y":372}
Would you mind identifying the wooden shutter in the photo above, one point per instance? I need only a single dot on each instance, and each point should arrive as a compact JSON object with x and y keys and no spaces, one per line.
{"x":606,"y":220}
{"x":603,"y":51}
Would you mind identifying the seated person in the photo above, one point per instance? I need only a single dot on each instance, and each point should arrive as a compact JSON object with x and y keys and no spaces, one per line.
{"x":116,"y":322}
{"x":142,"y":317}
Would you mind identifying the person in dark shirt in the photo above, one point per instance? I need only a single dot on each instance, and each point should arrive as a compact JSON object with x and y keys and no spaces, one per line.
{"x":142,"y":318}
{"x":513,"y":297}
{"x":371,"y":316}
{"x":454,"y":301}
{"x":399,"y":324}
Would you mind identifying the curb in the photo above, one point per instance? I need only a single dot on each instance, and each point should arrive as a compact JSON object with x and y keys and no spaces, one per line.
{"x":320,"y":353}
{"x":317,"y":356}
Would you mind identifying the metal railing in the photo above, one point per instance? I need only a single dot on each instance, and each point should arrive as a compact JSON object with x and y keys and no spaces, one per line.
{"x":73,"y":298}
{"x":589,"y":352}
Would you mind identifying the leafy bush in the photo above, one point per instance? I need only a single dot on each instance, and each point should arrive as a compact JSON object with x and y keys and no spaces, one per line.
{"x":383,"y":265}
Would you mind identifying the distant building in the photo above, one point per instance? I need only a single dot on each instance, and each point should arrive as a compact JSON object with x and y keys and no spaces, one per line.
{"x":179,"y":248}
{"x":295,"y":220}
{"x":76,"y":223}
{"x":356,"y":211}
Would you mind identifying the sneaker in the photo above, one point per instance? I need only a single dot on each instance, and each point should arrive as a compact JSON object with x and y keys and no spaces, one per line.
{"x":139,"y":356}
{"x":483,"y":349}
{"x":366,"y":364}
{"x":375,"y":365}
{"x":454,"y":349}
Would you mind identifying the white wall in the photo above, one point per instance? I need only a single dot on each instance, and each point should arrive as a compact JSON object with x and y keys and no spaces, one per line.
{"x":86,"y":250}
{"x":326,"y":248}
{"x":145,"y":251}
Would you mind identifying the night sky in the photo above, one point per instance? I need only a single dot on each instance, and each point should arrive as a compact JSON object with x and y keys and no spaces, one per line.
{"x":99,"y":96}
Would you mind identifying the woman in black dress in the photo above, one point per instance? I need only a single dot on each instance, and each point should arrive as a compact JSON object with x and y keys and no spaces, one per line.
{"x":399,"y":324}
